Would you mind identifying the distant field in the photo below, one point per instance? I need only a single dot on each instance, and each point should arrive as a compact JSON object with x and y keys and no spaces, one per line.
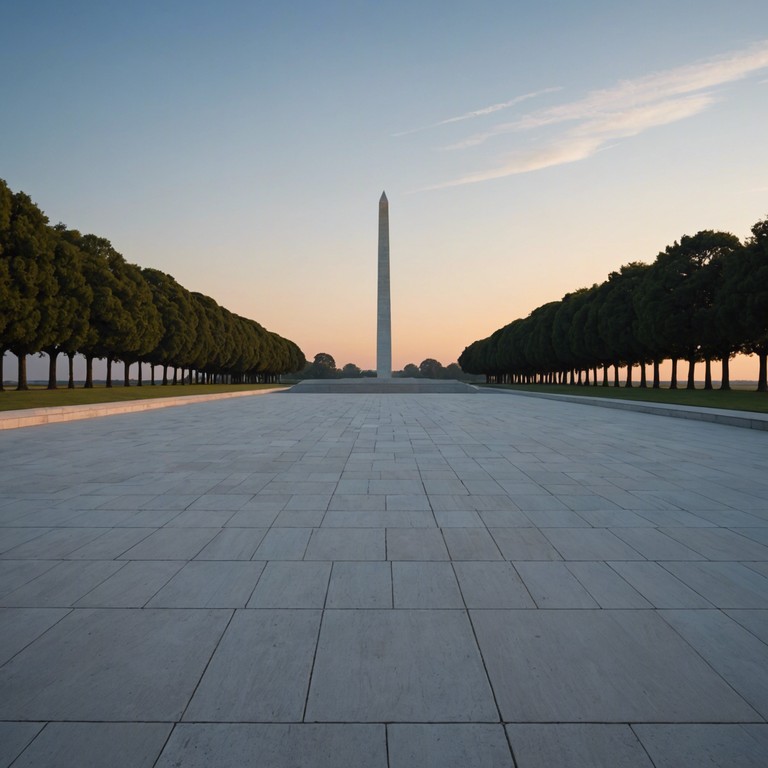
{"x":735,"y":399}
{"x":38,"y":397}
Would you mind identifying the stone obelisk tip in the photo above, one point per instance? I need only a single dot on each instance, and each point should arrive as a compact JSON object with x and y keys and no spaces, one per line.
{"x":383,"y":198}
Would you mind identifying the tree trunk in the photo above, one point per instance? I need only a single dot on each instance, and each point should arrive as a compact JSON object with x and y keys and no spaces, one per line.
{"x":165,"y":375}
{"x":707,"y":373}
{"x":152,"y":373}
{"x":126,"y":376}
{"x":88,"y":372}
{"x":628,"y":382}
{"x":616,"y":375}
{"x":605,"y":375}
{"x":182,"y":376}
{"x":691,"y":368}
{"x":71,"y":366}
{"x":175,"y":375}
{"x":673,"y":374}
{"x":2,"y":361}
{"x":725,"y":380}
{"x":643,"y":379}
{"x":594,"y":376}
{"x":109,"y":372}
{"x":140,"y":382}
{"x":656,"y":375}
{"x":52,"y":355}
{"x":22,"y":385}
{"x":762,"y":376}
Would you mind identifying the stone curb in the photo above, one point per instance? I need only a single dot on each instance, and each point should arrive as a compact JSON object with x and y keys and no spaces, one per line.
{"x":32,"y":417}
{"x":743,"y":419}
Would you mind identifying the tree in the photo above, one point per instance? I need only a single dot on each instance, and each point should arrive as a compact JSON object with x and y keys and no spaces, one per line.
{"x":322,"y":367}
{"x":351,"y":371}
{"x":28,"y":250}
{"x":411,"y":371}
{"x":431,"y":369}
{"x":752,"y":286}
{"x":70,"y":309}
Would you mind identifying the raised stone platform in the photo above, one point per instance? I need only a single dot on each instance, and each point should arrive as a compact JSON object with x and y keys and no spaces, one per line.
{"x":399,"y":386}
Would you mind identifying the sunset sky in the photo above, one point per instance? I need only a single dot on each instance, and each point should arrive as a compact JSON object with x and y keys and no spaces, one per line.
{"x":526,"y":149}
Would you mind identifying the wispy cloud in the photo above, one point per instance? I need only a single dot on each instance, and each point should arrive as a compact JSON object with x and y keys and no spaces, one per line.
{"x":627,"y":109}
{"x":481,"y":112}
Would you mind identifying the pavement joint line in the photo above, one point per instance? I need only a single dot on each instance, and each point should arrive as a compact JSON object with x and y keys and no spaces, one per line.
{"x":742,"y":419}
{"x":33,"y":417}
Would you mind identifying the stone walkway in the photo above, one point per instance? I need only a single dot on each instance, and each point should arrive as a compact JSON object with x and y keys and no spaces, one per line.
{"x":384,"y":580}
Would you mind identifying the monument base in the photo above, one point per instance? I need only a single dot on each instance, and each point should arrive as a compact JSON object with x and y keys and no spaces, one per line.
{"x":399,"y":386}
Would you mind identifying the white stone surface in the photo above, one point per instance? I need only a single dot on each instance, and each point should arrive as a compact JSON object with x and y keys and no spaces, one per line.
{"x":420,"y":574}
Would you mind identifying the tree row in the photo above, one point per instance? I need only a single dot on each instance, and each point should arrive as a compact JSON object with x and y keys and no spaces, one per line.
{"x":703,"y":299}
{"x":62,"y":292}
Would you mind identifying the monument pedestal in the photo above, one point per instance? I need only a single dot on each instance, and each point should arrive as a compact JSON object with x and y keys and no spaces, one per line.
{"x":383,"y":387}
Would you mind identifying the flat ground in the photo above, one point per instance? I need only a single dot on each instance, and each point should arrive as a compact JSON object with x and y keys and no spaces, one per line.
{"x":384,"y":580}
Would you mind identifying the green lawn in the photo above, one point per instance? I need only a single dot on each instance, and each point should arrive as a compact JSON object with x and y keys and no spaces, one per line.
{"x":734,"y":399}
{"x":38,"y":397}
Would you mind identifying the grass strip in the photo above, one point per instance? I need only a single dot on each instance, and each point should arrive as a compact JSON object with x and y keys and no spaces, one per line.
{"x":733,"y":399}
{"x":39,"y":397}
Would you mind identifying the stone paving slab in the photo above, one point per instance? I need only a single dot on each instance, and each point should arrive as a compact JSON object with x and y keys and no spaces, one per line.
{"x":384,"y":580}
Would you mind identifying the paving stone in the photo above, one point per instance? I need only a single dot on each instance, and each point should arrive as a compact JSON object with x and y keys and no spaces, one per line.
{"x":260,"y":671}
{"x":719,"y":543}
{"x":12,"y":537}
{"x":754,"y":621}
{"x":417,"y":666}
{"x":715,"y":745}
{"x":232,"y":544}
{"x":277,"y":746}
{"x":132,"y":586}
{"x":590,"y":544}
{"x":14,"y":737}
{"x":576,"y":746}
{"x":655,"y":545}
{"x":360,"y":585}
{"x":733,"y":652}
{"x":658,"y":586}
{"x":504,"y":518}
{"x":171,"y":544}
{"x":425,"y":585}
{"x":283,"y":544}
{"x":62,"y":585}
{"x":470,"y":544}
{"x":552,"y":585}
{"x":448,"y":746}
{"x":346,"y":544}
{"x":599,"y":666}
{"x":103,"y":665}
{"x":492,"y":585}
{"x":403,"y":502}
{"x":415,"y":544}
{"x":119,"y":745}
{"x":209,"y":584}
{"x":17,"y":573}
{"x":111,"y":544}
{"x":725,"y":585}
{"x":524,"y":544}
{"x":287,"y":584}
{"x":54,"y":544}
{"x":458,"y":518}
{"x":606,"y":586}
{"x":20,"y":626}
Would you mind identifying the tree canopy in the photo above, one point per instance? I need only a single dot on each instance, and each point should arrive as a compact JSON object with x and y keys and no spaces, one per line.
{"x":62,"y":291}
{"x":704,"y":298}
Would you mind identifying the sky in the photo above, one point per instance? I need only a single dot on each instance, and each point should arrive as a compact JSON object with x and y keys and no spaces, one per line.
{"x":526,"y":150}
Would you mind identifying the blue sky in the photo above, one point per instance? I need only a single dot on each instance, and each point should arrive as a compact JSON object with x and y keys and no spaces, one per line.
{"x":525,"y":151}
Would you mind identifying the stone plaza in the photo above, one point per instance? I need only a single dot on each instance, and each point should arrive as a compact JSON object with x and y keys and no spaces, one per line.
{"x":373,"y":580}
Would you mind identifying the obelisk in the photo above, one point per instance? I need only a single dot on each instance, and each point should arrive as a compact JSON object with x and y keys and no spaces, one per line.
{"x":383,"y":315}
